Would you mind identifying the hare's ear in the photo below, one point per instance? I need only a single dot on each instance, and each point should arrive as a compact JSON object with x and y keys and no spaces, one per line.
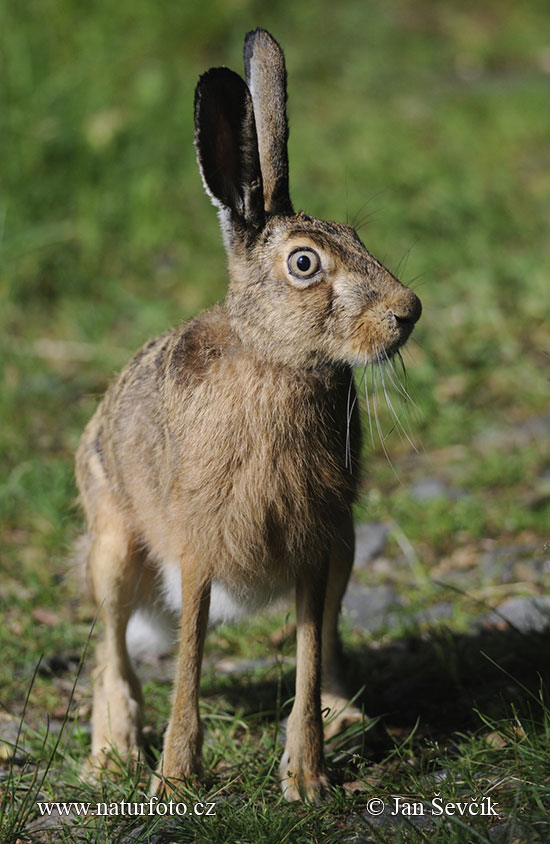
{"x":227,"y":146}
{"x":265,"y":70}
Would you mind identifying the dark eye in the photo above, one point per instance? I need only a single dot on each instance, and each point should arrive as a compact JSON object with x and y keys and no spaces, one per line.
{"x":303,"y":263}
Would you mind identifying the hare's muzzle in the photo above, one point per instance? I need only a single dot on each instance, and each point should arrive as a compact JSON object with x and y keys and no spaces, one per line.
{"x":385,"y":324}
{"x":407,"y":312}
{"x":402,"y":317}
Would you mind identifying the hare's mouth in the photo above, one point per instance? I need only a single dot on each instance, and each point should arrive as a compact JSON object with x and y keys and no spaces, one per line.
{"x":400,"y":329}
{"x":380,"y":332}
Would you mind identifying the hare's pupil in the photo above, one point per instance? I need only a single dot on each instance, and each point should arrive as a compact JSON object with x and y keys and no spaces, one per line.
{"x":303,"y":263}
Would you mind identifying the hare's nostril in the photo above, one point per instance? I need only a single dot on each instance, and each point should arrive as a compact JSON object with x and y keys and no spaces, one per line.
{"x":404,"y":320}
{"x":411,"y":314}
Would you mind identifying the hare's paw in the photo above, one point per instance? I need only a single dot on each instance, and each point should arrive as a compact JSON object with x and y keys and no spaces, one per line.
{"x":298,"y":783}
{"x":173,"y":770}
{"x":116,"y":721}
{"x":163,"y":786}
{"x":109,"y":761}
{"x":339,"y":714}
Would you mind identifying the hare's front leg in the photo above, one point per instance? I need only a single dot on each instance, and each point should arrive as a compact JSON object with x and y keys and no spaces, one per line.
{"x":302,"y":766}
{"x":334,"y":698}
{"x":117,"y":575}
{"x":183,"y":739}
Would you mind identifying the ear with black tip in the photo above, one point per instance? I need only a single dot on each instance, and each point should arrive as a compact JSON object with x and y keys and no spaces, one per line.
{"x":227,"y":145}
{"x":265,"y":70}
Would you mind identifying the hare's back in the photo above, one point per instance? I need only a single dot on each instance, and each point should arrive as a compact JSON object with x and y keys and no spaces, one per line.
{"x":138,"y":425}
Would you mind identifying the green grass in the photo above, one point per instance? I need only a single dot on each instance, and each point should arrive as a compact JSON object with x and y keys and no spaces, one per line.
{"x":500,"y":751}
{"x":427,"y":124}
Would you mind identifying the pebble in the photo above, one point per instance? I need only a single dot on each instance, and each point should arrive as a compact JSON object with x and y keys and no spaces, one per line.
{"x":527,"y":615}
{"x":535,"y":429}
{"x":9,"y":730}
{"x":517,"y":563}
{"x":372,"y":608}
{"x":429,"y":488}
{"x":370,"y":542}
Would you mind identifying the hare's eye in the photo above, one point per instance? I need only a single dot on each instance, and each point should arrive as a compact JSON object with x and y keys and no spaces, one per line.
{"x":303,"y":263}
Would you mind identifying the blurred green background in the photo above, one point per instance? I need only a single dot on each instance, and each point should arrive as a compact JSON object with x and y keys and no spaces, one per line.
{"x":428,"y":122}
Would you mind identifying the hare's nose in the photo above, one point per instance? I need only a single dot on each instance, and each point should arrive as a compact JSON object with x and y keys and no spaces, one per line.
{"x":409,"y":312}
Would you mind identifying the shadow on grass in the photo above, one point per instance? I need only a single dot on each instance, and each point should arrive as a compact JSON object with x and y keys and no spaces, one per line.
{"x":435,"y":683}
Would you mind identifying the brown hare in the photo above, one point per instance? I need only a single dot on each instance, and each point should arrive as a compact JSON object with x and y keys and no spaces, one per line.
{"x":220,"y":469}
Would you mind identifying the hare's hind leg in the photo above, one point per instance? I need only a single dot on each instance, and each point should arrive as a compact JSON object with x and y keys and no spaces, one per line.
{"x":335,"y":700}
{"x":117,"y":576}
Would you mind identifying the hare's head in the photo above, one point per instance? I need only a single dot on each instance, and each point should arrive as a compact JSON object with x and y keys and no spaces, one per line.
{"x":302,"y":291}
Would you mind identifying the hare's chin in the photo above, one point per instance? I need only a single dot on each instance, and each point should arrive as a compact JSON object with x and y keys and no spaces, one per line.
{"x":381,"y":354}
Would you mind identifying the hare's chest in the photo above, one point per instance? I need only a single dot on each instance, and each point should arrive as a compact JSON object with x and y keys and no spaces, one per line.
{"x":259,"y":473}
{"x":261,"y":504}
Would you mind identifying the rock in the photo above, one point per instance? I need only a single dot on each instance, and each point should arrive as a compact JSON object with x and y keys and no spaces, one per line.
{"x":370,"y":541}
{"x":442,"y":610}
{"x":9,"y":730}
{"x":430,"y":488}
{"x":246,"y":666}
{"x":516,"y":831}
{"x":499,"y":564}
{"x":523,"y":614}
{"x":537,"y":428}
{"x":387,"y":820}
{"x":46,"y":617}
{"x":47,"y":828}
{"x":372,"y":608}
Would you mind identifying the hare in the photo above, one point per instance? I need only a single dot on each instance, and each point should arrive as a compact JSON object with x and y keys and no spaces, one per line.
{"x":220,"y":469}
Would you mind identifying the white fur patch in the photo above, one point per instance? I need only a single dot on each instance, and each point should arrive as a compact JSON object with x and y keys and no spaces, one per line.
{"x":153,"y":629}
{"x":225,"y":605}
{"x":151,"y":633}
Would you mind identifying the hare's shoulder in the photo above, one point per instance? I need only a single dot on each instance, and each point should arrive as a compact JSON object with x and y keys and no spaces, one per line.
{"x":188,"y":352}
{"x":182,"y":355}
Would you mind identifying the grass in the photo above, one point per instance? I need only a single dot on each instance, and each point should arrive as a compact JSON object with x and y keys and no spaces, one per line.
{"x":425,"y":123}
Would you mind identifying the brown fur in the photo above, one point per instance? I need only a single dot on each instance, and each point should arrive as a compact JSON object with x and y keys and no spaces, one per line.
{"x":227,"y":450}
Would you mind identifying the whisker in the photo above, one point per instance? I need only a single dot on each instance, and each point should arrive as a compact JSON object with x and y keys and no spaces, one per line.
{"x":400,"y":356}
{"x":350,"y":410}
{"x":409,"y":408}
{"x":405,"y":258}
{"x":368,"y":403}
{"x":398,"y":353}
{"x":404,"y":385}
{"x":377,"y":421}
{"x":349,"y":415}
{"x":365,"y":217}
{"x":407,"y":349}
{"x":396,"y":416}
{"x":415,"y":279}
{"x":399,"y":425}
{"x":397,"y":383}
